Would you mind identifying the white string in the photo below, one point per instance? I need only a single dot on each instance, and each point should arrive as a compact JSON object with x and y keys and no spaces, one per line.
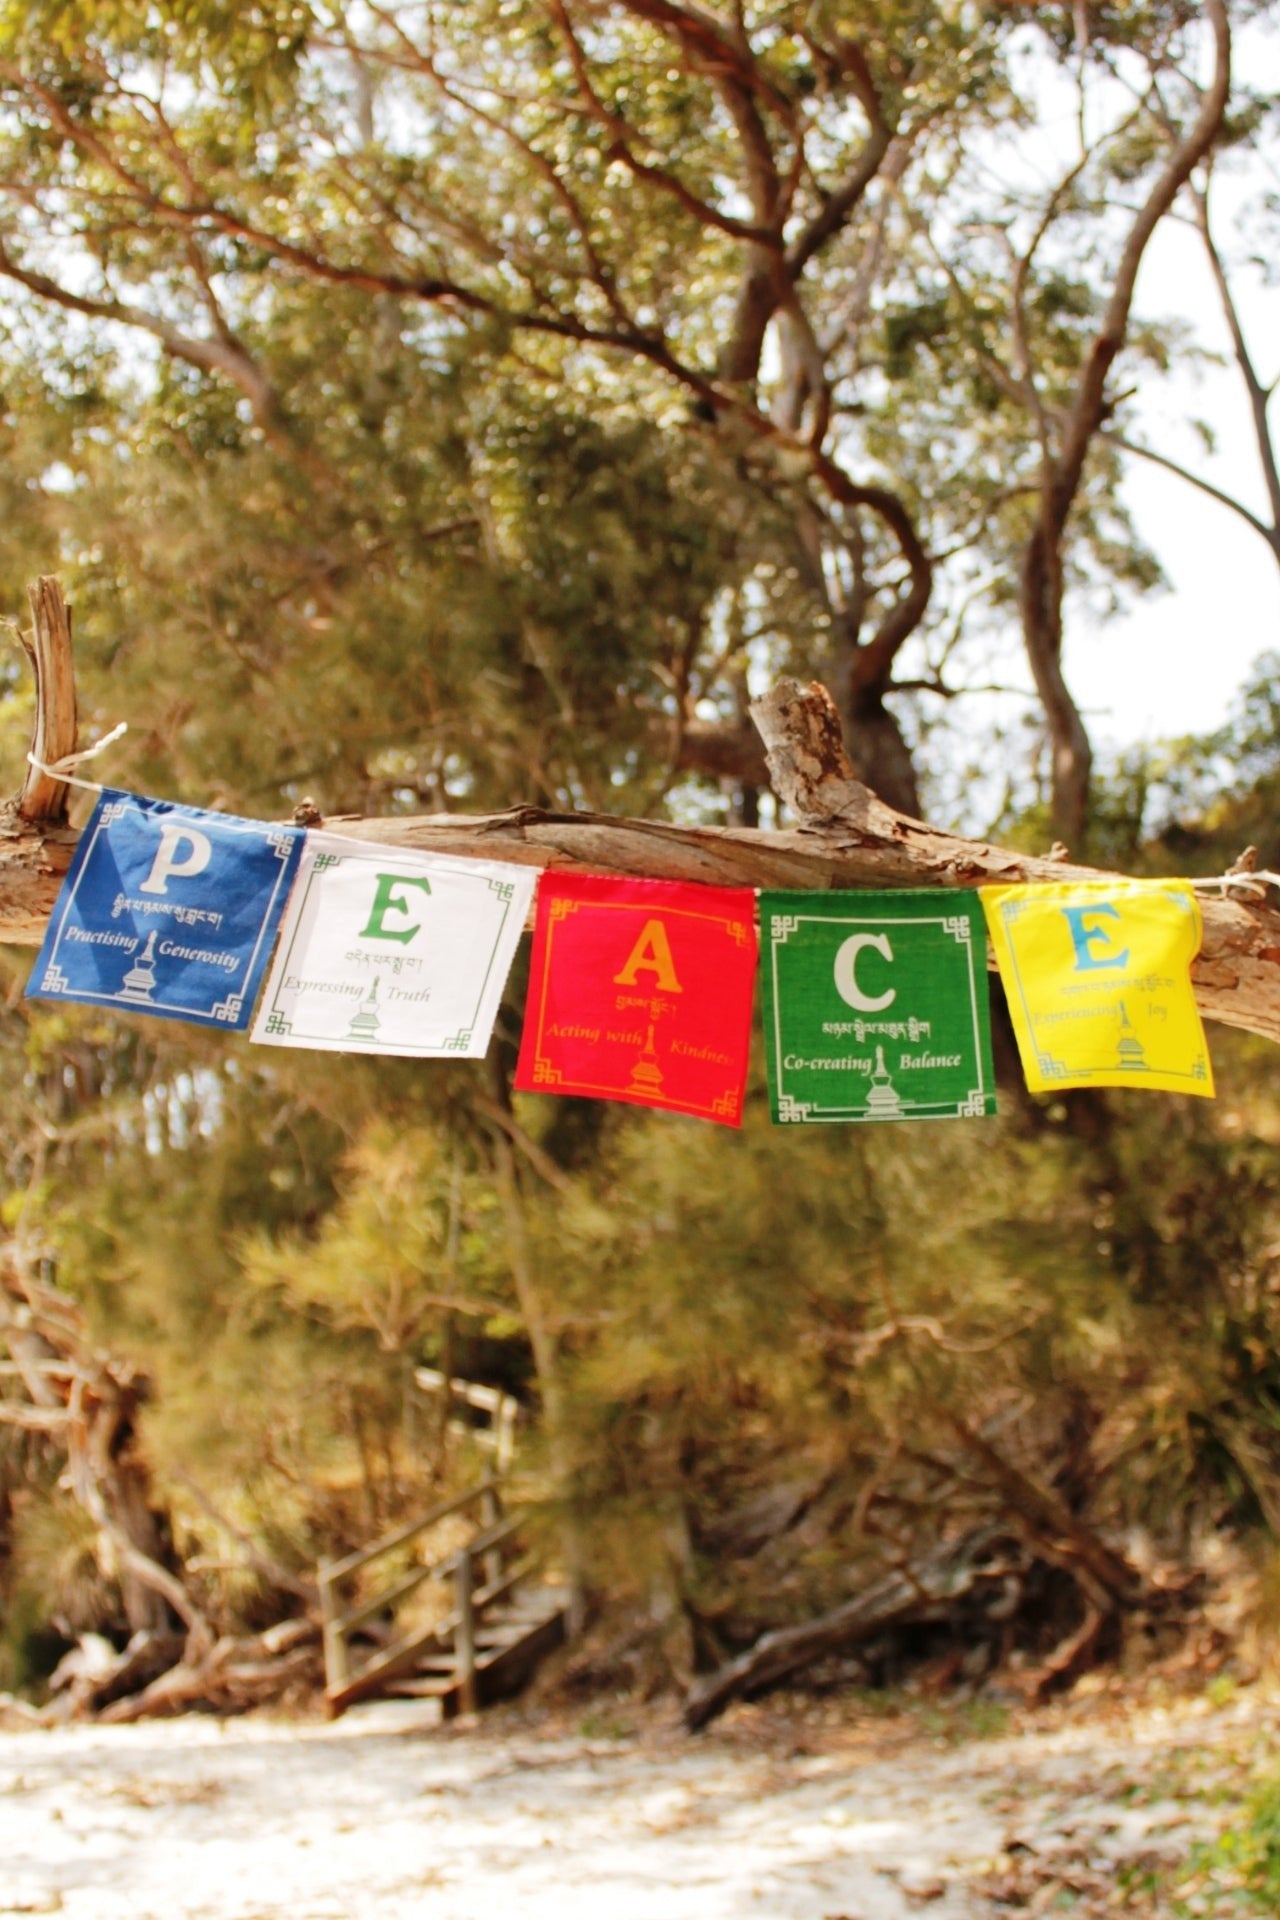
{"x":1253,"y":883}
{"x":58,"y":771}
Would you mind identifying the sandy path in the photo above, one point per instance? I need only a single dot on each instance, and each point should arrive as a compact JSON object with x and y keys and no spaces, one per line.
{"x":378,"y":1818}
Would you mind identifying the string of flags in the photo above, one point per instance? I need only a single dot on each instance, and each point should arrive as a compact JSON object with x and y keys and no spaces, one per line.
{"x":875,"y":1004}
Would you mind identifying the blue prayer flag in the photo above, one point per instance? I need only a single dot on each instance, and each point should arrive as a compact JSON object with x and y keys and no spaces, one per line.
{"x":169,"y":910}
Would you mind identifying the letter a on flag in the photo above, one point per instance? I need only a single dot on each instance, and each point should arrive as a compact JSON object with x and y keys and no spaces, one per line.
{"x":641,"y":991}
{"x":168,"y":910}
{"x":1097,"y":976}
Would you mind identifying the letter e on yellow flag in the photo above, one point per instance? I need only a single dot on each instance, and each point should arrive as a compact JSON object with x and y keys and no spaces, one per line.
{"x":1099,"y":985}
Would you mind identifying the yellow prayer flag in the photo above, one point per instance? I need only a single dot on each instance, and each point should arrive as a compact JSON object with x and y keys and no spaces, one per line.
{"x":1098,"y":979}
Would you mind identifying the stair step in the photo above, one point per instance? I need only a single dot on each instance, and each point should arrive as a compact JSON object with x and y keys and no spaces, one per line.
{"x":421,"y":1688}
{"x":517,"y":1616}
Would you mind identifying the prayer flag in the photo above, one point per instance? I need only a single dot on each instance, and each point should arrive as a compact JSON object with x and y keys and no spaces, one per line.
{"x":169,"y":910}
{"x":385,"y":951}
{"x":876,"y":1006}
{"x":641,"y":991}
{"x":1098,"y":979}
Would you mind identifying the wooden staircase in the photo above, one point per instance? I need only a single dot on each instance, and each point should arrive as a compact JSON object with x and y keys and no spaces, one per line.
{"x":501,"y":1622}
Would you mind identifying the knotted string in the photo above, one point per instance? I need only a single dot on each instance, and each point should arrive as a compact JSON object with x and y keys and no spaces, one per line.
{"x":58,"y":771}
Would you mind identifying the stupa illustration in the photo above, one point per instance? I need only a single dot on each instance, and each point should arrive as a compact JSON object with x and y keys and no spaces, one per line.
{"x":882,"y":1097}
{"x":365,"y":1021}
{"x":646,"y":1074}
{"x":140,"y":981}
{"x":1128,"y":1046}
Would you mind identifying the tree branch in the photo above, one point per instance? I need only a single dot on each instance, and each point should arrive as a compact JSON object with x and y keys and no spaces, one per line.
{"x":43,"y":796}
{"x":846,"y":838}
{"x":1258,"y":394}
{"x":223,"y":354}
{"x":1270,"y":534}
{"x":1090,"y":401}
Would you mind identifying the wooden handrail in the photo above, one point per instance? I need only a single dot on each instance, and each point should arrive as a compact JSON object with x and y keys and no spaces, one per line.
{"x":389,"y":1597}
{"x":483,"y":1542}
{"x":479,"y":1577}
{"x":447,"y":1629}
{"x":334,"y":1570}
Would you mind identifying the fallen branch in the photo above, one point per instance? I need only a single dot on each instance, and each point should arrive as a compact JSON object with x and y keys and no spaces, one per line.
{"x":1034,"y":1527}
{"x":86,"y":1401}
{"x":94,"y":1674}
{"x":1111,"y":1579}
{"x":236,"y":1674}
{"x":927,"y":1591}
{"x":1067,"y":1658}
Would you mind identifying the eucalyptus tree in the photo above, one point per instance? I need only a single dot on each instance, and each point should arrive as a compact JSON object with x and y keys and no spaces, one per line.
{"x":648,"y":204}
{"x":1019,"y":303}
{"x":697,"y":217}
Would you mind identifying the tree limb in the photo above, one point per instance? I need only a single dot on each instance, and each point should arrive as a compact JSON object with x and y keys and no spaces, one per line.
{"x":845,"y":837}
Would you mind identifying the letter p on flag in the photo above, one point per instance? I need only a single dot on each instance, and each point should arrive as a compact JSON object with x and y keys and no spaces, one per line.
{"x":103,"y":944}
{"x":171,"y":863}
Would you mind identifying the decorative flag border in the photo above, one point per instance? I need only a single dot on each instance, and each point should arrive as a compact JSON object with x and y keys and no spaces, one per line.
{"x":370,"y":971}
{"x":148,"y":924}
{"x":1089,"y":982}
{"x":566,"y":903}
{"x":869,"y":919}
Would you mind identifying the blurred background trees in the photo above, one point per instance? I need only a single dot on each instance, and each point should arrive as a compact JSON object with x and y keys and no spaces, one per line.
{"x":439,"y":407}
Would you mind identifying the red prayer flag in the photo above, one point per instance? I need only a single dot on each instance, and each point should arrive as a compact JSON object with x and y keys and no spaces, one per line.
{"x":641,"y":991}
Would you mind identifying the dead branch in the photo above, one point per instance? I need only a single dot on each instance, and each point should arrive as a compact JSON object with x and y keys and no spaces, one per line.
{"x":235,"y":1674}
{"x":927,"y":1590}
{"x":1111,"y":1580}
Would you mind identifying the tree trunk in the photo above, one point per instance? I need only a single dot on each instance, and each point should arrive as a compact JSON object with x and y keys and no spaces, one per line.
{"x":87,"y":1401}
{"x":1071,"y":756}
{"x":542,"y":1340}
{"x":878,"y":752}
{"x":1082,"y":419}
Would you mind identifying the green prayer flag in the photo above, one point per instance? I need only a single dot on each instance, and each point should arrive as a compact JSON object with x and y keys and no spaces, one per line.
{"x":876,"y":1006}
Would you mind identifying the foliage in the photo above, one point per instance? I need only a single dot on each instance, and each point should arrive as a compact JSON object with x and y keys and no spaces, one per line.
{"x":454,"y":407}
{"x":555,"y":317}
{"x":1242,"y":1866}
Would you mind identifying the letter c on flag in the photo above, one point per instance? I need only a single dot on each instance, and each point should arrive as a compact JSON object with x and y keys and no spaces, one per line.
{"x":169,"y":864}
{"x":847,"y":980}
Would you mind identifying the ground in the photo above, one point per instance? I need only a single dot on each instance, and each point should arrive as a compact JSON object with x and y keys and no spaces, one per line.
{"x":786,"y":1810}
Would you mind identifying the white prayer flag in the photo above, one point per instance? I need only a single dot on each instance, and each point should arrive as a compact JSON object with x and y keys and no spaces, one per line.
{"x":385,"y":951}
